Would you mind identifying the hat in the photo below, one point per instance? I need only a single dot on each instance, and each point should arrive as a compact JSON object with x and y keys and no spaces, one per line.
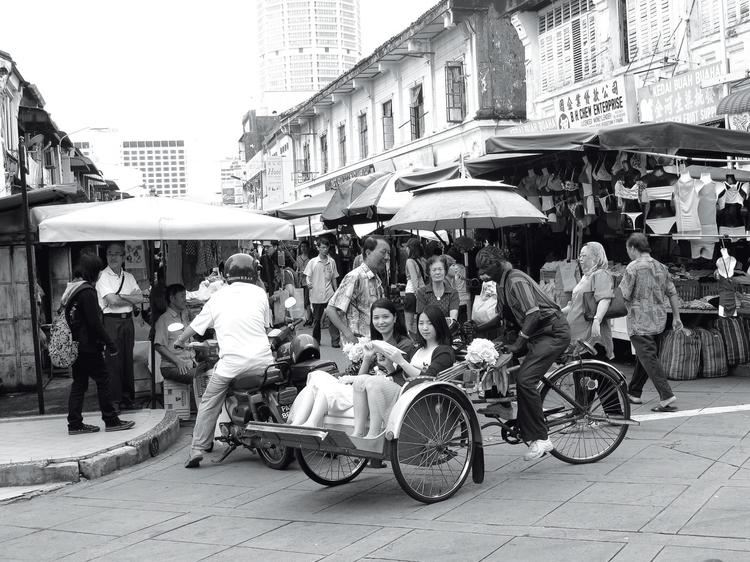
{"x":726,"y":266}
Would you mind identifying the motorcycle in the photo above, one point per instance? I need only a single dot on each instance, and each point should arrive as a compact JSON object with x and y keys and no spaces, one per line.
{"x":268,"y":397}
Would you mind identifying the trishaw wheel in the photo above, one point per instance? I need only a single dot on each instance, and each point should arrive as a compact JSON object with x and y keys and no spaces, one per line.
{"x":432,"y":455}
{"x":275,"y":456}
{"x":581,"y":433}
{"x":329,"y":469}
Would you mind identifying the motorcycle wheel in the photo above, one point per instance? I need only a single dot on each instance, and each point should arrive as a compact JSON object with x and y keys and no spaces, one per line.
{"x":277,"y":457}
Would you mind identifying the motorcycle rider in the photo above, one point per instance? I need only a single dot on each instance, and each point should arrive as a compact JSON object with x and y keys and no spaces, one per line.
{"x":238,"y":314}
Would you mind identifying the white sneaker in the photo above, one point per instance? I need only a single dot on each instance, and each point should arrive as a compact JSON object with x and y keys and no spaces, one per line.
{"x":538,"y":449}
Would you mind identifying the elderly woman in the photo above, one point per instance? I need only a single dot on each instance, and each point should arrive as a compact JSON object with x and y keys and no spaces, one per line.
{"x":596,"y":279}
{"x":438,"y":291}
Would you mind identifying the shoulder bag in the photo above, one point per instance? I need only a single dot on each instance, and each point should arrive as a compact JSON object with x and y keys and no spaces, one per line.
{"x":617,"y":307}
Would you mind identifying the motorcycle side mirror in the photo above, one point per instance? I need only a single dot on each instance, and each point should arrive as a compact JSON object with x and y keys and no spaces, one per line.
{"x":175,"y":327}
{"x":290,"y":302}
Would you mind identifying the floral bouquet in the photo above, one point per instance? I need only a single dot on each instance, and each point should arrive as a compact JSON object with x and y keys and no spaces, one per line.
{"x":481,"y":357}
{"x":355,"y":352}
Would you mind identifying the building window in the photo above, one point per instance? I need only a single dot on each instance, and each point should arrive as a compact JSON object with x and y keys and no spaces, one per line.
{"x":738,"y":11}
{"x":455,"y":101}
{"x":416,"y":113}
{"x":387,"y":125}
{"x":567,"y":43}
{"x":306,"y":161}
{"x":651,"y":25}
{"x":363,"y":135}
{"x":324,"y":153}
{"x":342,"y":145}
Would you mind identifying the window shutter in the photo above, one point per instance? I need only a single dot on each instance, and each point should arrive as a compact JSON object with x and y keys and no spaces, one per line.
{"x":709,"y":17}
{"x":650,"y":27}
{"x":738,"y":11}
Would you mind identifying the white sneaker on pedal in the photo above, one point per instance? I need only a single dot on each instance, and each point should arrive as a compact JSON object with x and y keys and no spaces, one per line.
{"x":538,"y":449}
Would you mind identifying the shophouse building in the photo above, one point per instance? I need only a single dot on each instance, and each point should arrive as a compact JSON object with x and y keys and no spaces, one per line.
{"x":592,"y":63}
{"x":430,"y":95}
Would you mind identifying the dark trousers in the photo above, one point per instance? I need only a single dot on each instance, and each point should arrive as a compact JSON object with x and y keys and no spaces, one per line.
{"x":90,"y":365}
{"x":543,"y":350}
{"x":647,"y":366}
{"x":318,"y":309}
{"x":120,"y":367}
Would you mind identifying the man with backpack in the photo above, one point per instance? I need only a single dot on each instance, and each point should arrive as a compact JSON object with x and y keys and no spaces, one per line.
{"x":84,"y":318}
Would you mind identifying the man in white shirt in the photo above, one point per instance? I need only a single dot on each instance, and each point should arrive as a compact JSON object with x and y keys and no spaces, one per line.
{"x":320,"y":277}
{"x":238,"y":314}
{"x":118,"y":292}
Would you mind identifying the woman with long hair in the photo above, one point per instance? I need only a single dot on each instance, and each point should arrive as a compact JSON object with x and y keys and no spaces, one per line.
{"x":375,"y":395}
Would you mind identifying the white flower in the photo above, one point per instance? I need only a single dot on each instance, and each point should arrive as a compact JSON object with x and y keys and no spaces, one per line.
{"x":482,"y":352}
{"x":356,"y":351}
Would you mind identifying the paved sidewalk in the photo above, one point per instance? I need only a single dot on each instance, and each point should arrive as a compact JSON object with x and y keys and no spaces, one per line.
{"x":38,"y":450}
{"x":677,"y":489}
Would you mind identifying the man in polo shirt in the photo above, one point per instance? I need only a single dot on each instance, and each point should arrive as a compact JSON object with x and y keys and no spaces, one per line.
{"x":349,"y":309}
{"x":320,"y":276}
{"x":118,"y":293}
{"x":543,"y":330}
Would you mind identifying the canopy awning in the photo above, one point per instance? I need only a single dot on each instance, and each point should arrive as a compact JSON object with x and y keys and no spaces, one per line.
{"x":428,"y":176}
{"x":661,"y":138}
{"x":158,"y":218}
{"x":40,"y":196}
{"x":307,"y":207}
{"x":734,"y":103}
{"x":492,"y":162}
{"x":335,"y":213}
{"x":547,"y":141}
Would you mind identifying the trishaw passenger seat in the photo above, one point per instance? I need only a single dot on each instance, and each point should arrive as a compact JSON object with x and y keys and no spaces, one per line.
{"x":253,"y":380}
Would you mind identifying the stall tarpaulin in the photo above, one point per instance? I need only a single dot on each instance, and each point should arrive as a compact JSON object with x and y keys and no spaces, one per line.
{"x":156,"y":218}
{"x":420,"y":178}
{"x":671,"y":138}
{"x":306,"y":207}
{"x":380,"y":201}
{"x":546,"y":141}
{"x":492,"y":162}
{"x":335,"y":213}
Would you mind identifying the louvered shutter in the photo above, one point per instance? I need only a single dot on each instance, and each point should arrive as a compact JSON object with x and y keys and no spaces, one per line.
{"x":650,"y":27}
{"x":709,"y":17}
{"x":738,"y":11}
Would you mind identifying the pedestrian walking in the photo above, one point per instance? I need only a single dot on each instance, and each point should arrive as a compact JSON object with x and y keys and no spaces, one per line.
{"x":303,"y":257}
{"x":84,"y":317}
{"x":646,"y":288}
{"x":118,"y":294}
{"x":349,"y":308}
{"x":320,"y":279}
{"x":415,"y":279}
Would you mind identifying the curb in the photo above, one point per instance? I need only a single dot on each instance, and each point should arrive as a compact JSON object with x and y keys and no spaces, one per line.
{"x":95,"y":465}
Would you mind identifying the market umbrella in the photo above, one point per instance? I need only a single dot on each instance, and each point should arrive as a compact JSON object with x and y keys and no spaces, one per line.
{"x":379,"y":202}
{"x":156,"y":218}
{"x":466,"y":203}
{"x":335,"y":213}
{"x":306,"y":207}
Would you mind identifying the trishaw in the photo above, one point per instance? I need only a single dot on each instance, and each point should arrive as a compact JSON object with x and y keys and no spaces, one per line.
{"x":433,"y":437}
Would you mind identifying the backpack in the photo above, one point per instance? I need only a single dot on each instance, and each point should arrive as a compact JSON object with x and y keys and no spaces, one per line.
{"x":63,"y":349}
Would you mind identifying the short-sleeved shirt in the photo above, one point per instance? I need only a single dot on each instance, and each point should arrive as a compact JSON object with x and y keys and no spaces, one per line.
{"x":600,"y":283}
{"x":524,"y":297}
{"x":321,"y":275}
{"x":459,"y":281}
{"x":109,"y":283}
{"x":358,"y":290}
{"x":164,"y":337}
{"x":447,"y":302}
{"x":646,"y":288}
{"x":238,"y":315}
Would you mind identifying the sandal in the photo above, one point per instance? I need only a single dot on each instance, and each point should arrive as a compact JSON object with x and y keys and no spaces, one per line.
{"x":661,"y":408}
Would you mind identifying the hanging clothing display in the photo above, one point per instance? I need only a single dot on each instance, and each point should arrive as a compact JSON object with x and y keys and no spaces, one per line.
{"x":686,"y":206}
{"x":707,"y":206}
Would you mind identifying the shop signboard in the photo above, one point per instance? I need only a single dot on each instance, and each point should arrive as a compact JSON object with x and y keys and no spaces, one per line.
{"x":534,"y":126}
{"x":333,"y":183}
{"x":598,"y":105}
{"x":681,"y":98}
{"x":274,"y":181}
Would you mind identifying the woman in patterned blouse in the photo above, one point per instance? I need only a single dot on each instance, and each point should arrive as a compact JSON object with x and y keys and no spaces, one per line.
{"x":438,"y":291}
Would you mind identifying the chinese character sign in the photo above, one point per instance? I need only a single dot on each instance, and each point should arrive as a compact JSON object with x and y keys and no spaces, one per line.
{"x":596,"y":106}
{"x":681,"y":99}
